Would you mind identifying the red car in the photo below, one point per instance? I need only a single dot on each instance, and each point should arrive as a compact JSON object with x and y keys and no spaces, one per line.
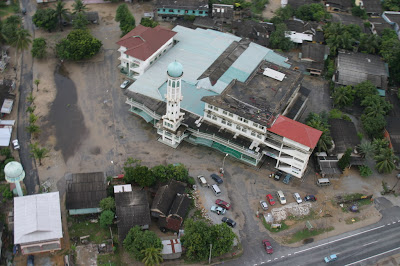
{"x":223,"y":204}
{"x":270,"y":199}
{"x":267,"y":246}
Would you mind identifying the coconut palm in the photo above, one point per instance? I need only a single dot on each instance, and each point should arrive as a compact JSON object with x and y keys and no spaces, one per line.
{"x":369,"y":43}
{"x":325,"y":141}
{"x":61,"y":13}
{"x":38,"y":153}
{"x":366,"y":149}
{"x":375,"y":109}
{"x":343,"y":96}
{"x":22,"y":40}
{"x":385,"y":161}
{"x":380,"y":144}
{"x":152,"y":256}
{"x":78,"y":7}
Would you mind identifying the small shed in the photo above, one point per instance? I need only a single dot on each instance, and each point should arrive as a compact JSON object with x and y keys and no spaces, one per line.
{"x":7,"y":106}
{"x":5,"y":136}
{"x":84,"y":192}
{"x":172,"y":249}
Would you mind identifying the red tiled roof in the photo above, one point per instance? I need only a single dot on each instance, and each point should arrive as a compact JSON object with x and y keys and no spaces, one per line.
{"x":296,"y":131}
{"x":142,"y":42}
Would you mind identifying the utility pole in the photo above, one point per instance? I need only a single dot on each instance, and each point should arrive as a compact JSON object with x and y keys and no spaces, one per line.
{"x":209,"y":258}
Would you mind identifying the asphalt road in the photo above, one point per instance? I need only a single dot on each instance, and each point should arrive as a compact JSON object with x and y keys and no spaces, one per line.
{"x":25,"y":87}
{"x":360,"y":247}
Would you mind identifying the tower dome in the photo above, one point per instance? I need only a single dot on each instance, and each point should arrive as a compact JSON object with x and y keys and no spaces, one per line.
{"x":175,"y":69}
{"x":14,"y":172}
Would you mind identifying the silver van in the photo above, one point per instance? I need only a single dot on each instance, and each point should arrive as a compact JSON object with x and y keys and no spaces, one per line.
{"x":216,"y":190}
{"x":323,"y":182}
{"x":202,"y":181}
{"x":281,"y":197}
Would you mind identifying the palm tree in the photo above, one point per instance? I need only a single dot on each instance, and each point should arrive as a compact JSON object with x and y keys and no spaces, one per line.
{"x":32,"y":118}
{"x":366,"y":149}
{"x":33,"y":129}
{"x":30,"y":98}
{"x":152,"y":256}
{"x":78,"y":7}
{"x":325,"y":141}
{"x":38,"y":153}
{"x":380,"y":144}
{"x":375,"y":109}
{"x":22,"y":40}
{"x":37,"y":82}
{"x":369,"y":43}
{"x":61,"y":12}
{"x":385,"y":161}
{"x":343,"y":96}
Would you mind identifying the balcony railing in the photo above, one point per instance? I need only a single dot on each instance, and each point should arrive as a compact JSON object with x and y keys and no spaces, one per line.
{"x":141,"y":106}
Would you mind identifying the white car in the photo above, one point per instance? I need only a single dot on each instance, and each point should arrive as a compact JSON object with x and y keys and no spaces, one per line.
{"x":297,"y":197}
{"x":125,"y":84}
{"x":15,"y":144}
{"x":264,"y":205}
{"x":218,"y":210}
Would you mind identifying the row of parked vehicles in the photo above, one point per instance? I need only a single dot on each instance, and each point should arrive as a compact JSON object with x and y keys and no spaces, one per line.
{"x":281,"y":197}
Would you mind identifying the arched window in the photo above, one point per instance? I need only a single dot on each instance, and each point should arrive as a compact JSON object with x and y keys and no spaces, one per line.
{"x":177,"y":83}
{"x":169,"y":82}
{"x":173,"y":84}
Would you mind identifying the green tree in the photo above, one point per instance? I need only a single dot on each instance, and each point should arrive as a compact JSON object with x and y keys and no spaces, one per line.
{"x":39,"y":47}
{"x":222,"y":238}
{"x":107,"y":204}
{"x":78,"y":45}
{"x":312,"y":12}
{"x":380,"y":144}
{"x":385,"y":161}
{"x":392,"y":5}
{"x":137,"y":240}
{"x":160,"y":173}
{"x":129,"y":169}
{"x":45,"y":19}
{"x":364,"y":89}
{"x":37,"y":152}
{"x":125,"y":19}
{"x":21,"y":41}
{"x":148,"y":22}
{"x":106,"y":218}
{"x":30,"y":99}
{"x":343,"y":96}
{"x":143,"y":176}
{"x":5,"y":152}
{"x":32,"y":128}
{"x":320,"y":122}
{"x":37,"y":82}
{"x":365,"y":171}
{"x":376,"y":106}
{"x":196,"y":240}
{"x":373,"y":126}
{"x":345,"y":160}
{"x":78,"y":7}
{"x":257,"y":6}
{"x":359,"y":12}
{"x":9,"y":28}
{"x":339,"y":36}
{"x":80,"y":21}
{"x":282,"y":14}
{"x":152,"y":256}
{"x":61,"y":13}
{"x":32,"y":118}
{"x":366,"y":149}
{"x":369,"y":43}
{"x":278,"y":40}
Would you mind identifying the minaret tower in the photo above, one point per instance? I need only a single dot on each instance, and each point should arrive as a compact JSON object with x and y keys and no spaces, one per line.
{"x":173,"y":117}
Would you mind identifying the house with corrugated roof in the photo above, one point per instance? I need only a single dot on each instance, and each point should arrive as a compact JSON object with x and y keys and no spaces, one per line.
{"x":84,"y":192}
{"x":37,"y":223}
{"x":315,"y":54}
{"x":141,"y":47}
{"x":231,"y":95}
{"x":173,"y":9}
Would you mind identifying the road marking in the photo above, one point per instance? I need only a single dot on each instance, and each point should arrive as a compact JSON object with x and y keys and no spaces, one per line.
{"x":388,"y":224}
{"x":282,"y":256}
{"x":275,"y":258}
{"x":289,"y":254}
{"x":370,"y":243}
{"x":363,"y":232}
{"x":393,"y":222}
{"x":269,"y":260}
{"x":373,"y":256}
{"x":262,"y":262}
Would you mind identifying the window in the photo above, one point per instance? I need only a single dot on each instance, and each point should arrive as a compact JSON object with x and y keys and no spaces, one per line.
{"x":200,"y":12}
{"x":171,"y":10}
{"x":237,"y":127}
{"x":255,"y":125}
{"x":260,"y":126}
{"x":159,"y":9}
{"x":206,"y":12}
{"x":240,"y":119}
{"x":214,"y":117}
{"x":225,"y":112}
{"x":253,"y":133}
{"x":177,"y":83}
{"x":151,"y":62}
{"x":245,"y":121}
{"x":229,"y":124}
{"x":259,"y":136}
{"x":173,"y":84}
{"x":164,"y":51}
{"x":223,"y":121}
{"x":244,"y":130}
{"x":193,"y":11}
{"x":215,"y":108}
{"x":230,"y":114}
{"x":163,"y":10}
{"x":208,"y":115}
{"x":298,"y":160}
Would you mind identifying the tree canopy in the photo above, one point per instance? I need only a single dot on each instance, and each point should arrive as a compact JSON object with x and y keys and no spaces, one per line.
{"x":45,"y":19}
{"x":320,"y":122}
{"x":107,"y":204}
{"x":148,"y":22}
{"x":9,"y":28}
{"x":343,"y":96}
{"x":39,"y":48}
{"x":125,"y":19}
{"x":106,"y":218}
{"x":278,"y":40}
{"x":78,"y":45}
{"x":312,"y":12}
{"x":137,"y":240}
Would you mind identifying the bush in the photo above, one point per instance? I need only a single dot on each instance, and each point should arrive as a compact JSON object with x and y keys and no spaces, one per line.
{"x":314,"y":12}
{"x":106,"y":218}
{"x":335,"y":114}
{"x":189,"y":17}
{"x":345,"y":160}
{"x":359,"y":12}
{"x":137,"y":240}
{"x":78,"y":45}
{"x":45,"y":19}
{"x":39,"y":48}
{"x":5,"y":152}
{"x":125,"y":19}
{"x":148,"y":22}
{"x":365,"y":171}
{"x":107,"y":204}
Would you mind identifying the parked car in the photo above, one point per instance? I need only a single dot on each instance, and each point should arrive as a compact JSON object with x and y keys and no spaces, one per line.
{"x":271,"y":199}
{"x":330,"y":258}
{"x":23,"y":11}
{"x":218,"y":210}
{"x":229,"y":222}
{"x":15,"y":144}
{"x":125,"y":84}
{"x":223,"y":204}
{"x":310,"y":198}
{"x":287,"y":178}
{"x":267,"y":246}
{"x":264,"y":205}
{"x":31,"y":260}
{"x":217,"y":178}
{"x":278,"y":175}
{"x":281,"y":197}
{"x":297,"y":197}
{"x":202,"y":181}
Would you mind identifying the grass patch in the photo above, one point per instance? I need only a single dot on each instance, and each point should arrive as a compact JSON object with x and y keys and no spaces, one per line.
{"x":305,"y":233}
{"x":9,"y":10}
{"x":352,"y":220}
{"x":109,"y":259}
{"x":274,"y":230}
{"x":81,"y":226}
{"x":311,"y":216}
{"x":352,"y":197}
